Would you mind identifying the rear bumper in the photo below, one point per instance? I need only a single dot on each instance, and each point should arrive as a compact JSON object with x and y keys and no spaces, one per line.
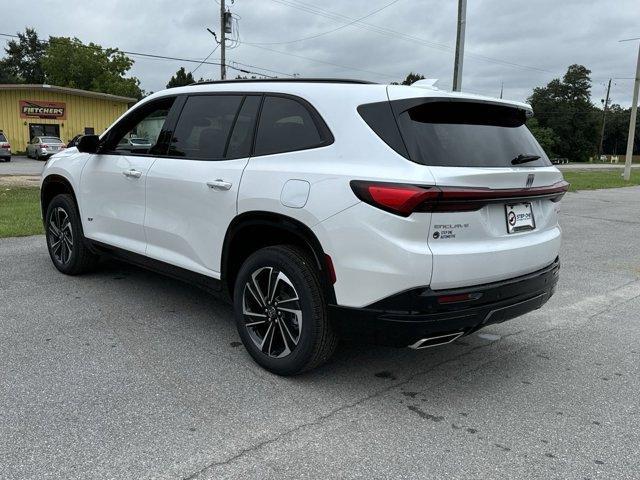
{"x":405,"y":318}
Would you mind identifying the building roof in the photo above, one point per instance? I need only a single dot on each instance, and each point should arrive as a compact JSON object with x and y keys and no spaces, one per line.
{"x":67,"y":90}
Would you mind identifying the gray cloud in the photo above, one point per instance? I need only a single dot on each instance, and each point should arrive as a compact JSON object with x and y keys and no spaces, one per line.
{"x":547,"y":35}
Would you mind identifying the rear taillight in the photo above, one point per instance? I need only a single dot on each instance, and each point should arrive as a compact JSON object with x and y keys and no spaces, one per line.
{"x":405,"y":199}
{"x":393,"y":197}
{"x":44,"y":145}
{"x":5,"y":145}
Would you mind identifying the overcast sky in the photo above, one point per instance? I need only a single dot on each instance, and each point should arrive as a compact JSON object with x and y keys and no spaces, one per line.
{"x":523,"y":43}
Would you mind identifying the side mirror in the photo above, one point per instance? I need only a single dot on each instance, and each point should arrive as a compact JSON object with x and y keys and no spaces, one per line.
{"x":88,"y":143}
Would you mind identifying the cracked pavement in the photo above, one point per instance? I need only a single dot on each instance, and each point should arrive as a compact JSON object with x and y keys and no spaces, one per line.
{"x":127,"y":374}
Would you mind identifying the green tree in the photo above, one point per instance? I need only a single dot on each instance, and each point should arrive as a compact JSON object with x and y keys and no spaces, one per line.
{"x":23,"y":61}
{"x":70,"y":63}
{"x":181,"y":79}
{"x":616,"y":131}
{"x":565,"y":107}
{"x":411,"y":78}
{"x":546,"y":137}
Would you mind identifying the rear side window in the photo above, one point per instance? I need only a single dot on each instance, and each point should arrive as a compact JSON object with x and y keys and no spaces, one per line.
{"x":204,"y":126}
{"x":2,"y":137}
{"x":286,"y":125}
{"x":461,"y":134}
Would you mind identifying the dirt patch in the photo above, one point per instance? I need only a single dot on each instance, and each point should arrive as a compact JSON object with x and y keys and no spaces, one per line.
{"x":19,"y":180}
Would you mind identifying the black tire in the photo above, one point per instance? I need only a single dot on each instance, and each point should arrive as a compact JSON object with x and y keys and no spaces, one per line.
{"x":316,"y":339}
{"x":68,"y":250}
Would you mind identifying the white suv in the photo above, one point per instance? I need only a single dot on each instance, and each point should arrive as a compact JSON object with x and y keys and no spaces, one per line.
{"x":324,"y":209}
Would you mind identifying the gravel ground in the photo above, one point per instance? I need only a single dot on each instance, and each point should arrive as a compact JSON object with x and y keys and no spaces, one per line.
{"x":127,"y":374}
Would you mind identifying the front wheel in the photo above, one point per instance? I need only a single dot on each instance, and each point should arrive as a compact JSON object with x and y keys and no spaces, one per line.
{"x":280,"y":311}
{"x":65,"y":239}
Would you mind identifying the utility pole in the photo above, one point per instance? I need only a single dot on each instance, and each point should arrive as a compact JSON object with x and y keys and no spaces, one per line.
{"x":457,"y":65}
{"x":632,"y":120}
{"x":223,"y":58}
{"x":604,"y":118}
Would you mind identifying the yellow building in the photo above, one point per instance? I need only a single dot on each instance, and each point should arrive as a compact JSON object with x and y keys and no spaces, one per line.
{"x":27,"y":111}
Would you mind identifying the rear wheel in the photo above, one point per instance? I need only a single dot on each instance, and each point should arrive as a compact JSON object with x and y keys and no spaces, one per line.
{"x":65,"y":239}
{"x":280,"y":311}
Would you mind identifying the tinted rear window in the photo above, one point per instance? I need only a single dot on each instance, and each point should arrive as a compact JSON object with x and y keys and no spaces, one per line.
{"x":461,"y":134}
{"x":285,"y":125}
{"x":2,"y":138}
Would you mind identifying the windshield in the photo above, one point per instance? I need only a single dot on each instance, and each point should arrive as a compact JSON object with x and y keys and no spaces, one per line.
{"x":50,"y":140}
{"x":464,"y":134}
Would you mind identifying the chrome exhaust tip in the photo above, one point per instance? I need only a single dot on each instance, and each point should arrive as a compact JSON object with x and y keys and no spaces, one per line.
{"x":436,"y":340}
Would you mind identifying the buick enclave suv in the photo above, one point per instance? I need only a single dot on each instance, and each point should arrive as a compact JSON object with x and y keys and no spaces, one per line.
{"x":324,"y":209}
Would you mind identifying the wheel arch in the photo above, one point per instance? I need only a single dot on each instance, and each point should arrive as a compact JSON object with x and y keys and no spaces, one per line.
{"x":53,"y":185}
{"x":253,"y":230}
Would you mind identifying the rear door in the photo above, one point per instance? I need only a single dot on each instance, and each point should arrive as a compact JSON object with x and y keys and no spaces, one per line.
{"x":192,"y":193}
{"x":483,"y":151}
{"x":112,"y":186}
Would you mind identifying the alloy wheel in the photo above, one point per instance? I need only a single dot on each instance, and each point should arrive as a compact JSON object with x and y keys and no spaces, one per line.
{"x":272,"y":312}
{"x":60,"y":235}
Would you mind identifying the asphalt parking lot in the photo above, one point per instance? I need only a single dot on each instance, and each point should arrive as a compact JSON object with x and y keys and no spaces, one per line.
{"x":127,"y":374}
{"x":20,"y":165}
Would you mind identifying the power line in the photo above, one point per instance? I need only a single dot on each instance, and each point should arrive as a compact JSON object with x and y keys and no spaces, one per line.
{"x":370,"y":14}
{"x":161,"y":57}
{"x":387,"y":32}
{"x":206,"y":58}
{"x":346,"y":67}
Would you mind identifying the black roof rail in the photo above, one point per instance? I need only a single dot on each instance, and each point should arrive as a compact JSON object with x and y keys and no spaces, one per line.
{"x":286,"y":80}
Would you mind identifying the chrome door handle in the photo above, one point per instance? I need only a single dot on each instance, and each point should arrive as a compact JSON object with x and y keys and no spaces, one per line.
{"x":219,"y":184}
{"x":132,"y":173}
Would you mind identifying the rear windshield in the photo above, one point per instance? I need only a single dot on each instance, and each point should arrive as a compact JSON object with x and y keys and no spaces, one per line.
{"x":463,"y":134}
{"x":2,"y":137}
{"x":50,"y":140}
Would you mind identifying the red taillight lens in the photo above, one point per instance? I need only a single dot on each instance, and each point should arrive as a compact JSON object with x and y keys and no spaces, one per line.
{"x":393,"y":197}
{"x":5,"y":145}
{"x":404,"y":199}
{"x":457,"y":298}
{"x":44,"y":145}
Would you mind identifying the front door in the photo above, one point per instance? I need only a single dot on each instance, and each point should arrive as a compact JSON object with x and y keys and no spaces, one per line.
{"x":113,"y":181}
{"x":192,"y":193}
{"x":43,"y":130}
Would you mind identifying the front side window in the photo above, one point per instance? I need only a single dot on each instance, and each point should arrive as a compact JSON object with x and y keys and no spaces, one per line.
{"x":285,"y":125}
{"x":204,"y":126}
{"x":139,"y":132}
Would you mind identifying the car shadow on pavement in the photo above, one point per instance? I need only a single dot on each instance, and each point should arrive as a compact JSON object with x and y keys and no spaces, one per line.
{"x":172,"y":305}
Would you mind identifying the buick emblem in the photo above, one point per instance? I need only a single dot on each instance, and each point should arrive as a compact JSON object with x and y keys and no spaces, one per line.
{"x":530,"y":179}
